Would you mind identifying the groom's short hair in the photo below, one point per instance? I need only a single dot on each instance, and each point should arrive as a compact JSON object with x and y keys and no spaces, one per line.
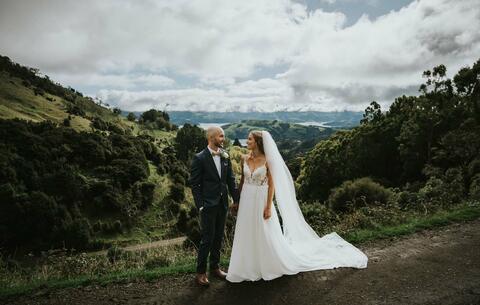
{"x":213,"y":131}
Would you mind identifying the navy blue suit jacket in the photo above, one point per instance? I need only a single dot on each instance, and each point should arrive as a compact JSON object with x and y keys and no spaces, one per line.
{"x":208,"y":188}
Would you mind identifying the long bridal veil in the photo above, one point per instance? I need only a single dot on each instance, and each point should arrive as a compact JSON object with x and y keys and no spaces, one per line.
{"x":317,"y":252}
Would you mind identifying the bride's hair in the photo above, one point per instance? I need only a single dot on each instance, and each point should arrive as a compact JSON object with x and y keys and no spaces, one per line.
{"x":257,"y":135}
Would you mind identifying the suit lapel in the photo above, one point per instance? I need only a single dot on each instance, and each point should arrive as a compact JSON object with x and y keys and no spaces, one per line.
{"x":212,"y":163}
{"x":222,"y":168}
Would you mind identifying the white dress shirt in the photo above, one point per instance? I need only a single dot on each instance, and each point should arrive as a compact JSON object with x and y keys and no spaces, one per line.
{"x":216,"y":159}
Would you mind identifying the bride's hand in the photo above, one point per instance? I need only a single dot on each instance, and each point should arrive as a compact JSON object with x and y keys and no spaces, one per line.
{"x":267,"y":212}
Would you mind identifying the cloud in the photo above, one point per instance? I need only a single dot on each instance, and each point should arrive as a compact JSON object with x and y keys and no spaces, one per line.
{"x":260,"y":95}
{"x":230,"y":55}
{"x":119,"y":81}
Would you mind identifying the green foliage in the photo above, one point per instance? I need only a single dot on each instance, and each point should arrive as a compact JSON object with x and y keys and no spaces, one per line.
{"x":439,"y":128}
{"x":474,"y":191}
{"x":40,"y":84}
{"x":67,"y":122}
{"x":115,"y":253}
{"x":280,"y":131}
{"x":188,"y":222}
{"x":158,"y":262}
{"x":443,"y":188}
{"x":131,"y":117}
{"x":319,"y":216}
{"x":373,"y":113}
{"x":156,"y":119}
{"x":177,"y":192}
{"x":76,"y":110}
{"x":77,"y":233}
{"x":358,"y":193}
{"x":52,"y":179}
{"x":190,"y":139}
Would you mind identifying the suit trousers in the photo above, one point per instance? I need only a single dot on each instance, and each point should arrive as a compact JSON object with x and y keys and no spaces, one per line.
{"x":212,"y":227}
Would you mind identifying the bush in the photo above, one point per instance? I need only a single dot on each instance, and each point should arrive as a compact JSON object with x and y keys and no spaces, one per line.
{"x":66,"y":122}
{"x":182,"y":217}
{"x":131,"y":117}
{"x":193,"y":231}
{"x":177,"y":192}
{"x":358,"y":193}
{"x":115,"y":253}
{"x":77,"y":233}
{"x":474,"y":191}
{"x":117,"y":225}
{"x":188,"y":223}
{"x":319,"y":216}
{"x":406,"y":199}
{"x":443,"y":189}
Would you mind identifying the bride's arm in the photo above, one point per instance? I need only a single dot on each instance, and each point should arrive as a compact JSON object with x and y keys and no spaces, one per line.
{"x":242,"y":177}
{"x":271,"y":189}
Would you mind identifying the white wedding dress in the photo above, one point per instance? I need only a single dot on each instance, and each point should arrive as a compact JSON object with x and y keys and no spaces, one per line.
{"x":261,"y":250}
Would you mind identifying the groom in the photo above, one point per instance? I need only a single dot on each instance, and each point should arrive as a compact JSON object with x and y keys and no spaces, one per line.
{"x":211,"y":173}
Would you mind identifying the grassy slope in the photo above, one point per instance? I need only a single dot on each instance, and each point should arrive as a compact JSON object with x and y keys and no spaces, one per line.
{"x":19,"y":101}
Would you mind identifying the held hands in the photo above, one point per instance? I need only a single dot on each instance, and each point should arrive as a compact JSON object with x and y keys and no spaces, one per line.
{"x":267,"y":212}
{"x":234,"y":209}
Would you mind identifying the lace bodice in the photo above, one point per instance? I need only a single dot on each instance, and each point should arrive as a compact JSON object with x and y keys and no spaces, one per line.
{"x":258,"y":177}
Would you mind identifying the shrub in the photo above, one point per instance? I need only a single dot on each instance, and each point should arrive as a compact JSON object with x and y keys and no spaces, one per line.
{"x":131,"y":117}
{"x":443,"y":189}
{"x":66,"y":122}
{"x":406,"y":199}
{"x":474,"y":191}
{"x":117,"y":225}
{"x":177,"y":192}
{"x":357,"y":193}
{"x":115,"y":253}
{"x":77,"y":233}
{"x":319,"y":216}
{"x":193,"y":231}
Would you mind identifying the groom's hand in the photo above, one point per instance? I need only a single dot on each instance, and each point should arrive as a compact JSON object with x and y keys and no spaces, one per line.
{"x":234,"y":209}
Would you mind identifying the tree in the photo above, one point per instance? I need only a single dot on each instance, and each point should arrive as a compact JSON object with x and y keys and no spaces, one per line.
{"x":189,"y":140}
{"x":237,"y":143}
{"x":131,"y":117}
{"x":372,"y":113}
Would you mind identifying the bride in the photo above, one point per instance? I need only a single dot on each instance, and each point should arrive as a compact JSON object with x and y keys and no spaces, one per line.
{"x":260,"y":249}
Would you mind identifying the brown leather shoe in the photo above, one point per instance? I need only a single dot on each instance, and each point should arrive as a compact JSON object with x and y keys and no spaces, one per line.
{"x":202,"y":279}
{"x":219,"y":273}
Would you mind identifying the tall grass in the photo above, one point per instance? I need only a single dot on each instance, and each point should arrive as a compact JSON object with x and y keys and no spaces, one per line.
{"x":60,"y":271}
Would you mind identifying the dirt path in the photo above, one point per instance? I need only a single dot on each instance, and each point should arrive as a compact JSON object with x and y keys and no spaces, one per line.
{"x":145,"y":246}
{"x":441,"y":266}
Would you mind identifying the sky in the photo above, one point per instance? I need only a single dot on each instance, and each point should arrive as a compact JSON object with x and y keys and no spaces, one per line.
{"x":246,"y":55}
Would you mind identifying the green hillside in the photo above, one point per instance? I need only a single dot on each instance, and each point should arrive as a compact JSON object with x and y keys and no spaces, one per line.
{"x":94,"y":176}
{"x":280,"y":130}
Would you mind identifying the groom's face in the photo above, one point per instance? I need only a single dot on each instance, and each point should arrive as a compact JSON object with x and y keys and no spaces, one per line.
{"x":219,"y":138}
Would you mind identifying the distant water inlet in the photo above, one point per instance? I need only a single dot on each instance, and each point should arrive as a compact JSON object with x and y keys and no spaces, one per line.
{"x":313,"y":123}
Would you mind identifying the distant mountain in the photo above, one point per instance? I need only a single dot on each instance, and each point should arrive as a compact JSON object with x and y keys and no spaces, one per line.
{"x":336,"y":119}
{"x":280,"y":130}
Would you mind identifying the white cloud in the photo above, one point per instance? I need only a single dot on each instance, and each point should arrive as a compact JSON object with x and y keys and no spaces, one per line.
{"x":119,"y":81}
{"x":261,"y":95}
{"x":203,"y":55}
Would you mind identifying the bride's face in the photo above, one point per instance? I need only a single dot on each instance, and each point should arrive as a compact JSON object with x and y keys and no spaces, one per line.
{"x":251,"y":144}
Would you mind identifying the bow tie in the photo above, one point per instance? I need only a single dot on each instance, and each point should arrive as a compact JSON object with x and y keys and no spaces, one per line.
{"x":216,"y":153}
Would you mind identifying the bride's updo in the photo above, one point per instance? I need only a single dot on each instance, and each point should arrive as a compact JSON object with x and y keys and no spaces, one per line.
{"x":257,"y":135}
